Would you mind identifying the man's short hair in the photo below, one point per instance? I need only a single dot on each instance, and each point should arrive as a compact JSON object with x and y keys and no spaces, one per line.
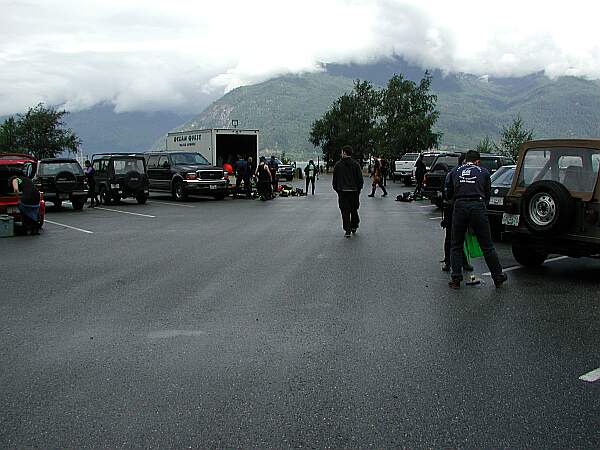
{"x":472,"y":156}
{"x":347,"y":150}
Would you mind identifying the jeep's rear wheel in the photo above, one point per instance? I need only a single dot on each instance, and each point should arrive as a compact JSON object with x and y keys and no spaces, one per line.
{"x":528,"y":256}
{"x":179,"y":192}
{"x":57,"y":203}
{"x":548,"y":207}
{"x":219,"y":196}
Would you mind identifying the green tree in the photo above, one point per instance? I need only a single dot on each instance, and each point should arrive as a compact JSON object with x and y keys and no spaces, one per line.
{"x":40,"y":131}
{"x":350,"y":120}
{"x":513,"y":136}
{"x":486,"y":145}
{"x":407,"y":116}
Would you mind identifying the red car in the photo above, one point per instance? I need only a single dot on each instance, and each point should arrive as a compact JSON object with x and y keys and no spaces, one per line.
{"x":12,"y":164}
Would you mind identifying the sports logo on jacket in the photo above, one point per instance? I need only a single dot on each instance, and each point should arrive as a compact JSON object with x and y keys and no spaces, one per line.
{"x":468,"y":174}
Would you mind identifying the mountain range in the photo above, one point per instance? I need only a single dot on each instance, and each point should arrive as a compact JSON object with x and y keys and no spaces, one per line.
{"x":284,"y":108}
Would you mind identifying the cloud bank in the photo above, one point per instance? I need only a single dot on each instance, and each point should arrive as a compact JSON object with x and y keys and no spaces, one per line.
{"x":179,"y":55}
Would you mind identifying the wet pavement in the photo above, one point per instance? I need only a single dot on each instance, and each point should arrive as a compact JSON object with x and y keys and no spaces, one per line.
{"x":241,"y":323}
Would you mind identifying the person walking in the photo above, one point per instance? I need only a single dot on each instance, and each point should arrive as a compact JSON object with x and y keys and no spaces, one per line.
{"x":274,"y":167}
{"x":90,"y":175}
{"x":469,"y":185}
{"x":347,"y":182}
{"x":420,"y":170}
{"x":376,"y":175}
{"x":310,"y":172}
{"x":384,"y":171}
{"x":242,"y":174}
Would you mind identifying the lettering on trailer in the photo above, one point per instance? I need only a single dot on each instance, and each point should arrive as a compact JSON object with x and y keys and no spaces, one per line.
{"x":192,"y":138}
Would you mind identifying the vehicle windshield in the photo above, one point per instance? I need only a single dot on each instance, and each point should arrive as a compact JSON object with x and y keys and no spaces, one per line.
{"x":409,"y":157}
{"x":503,"y":176}
{"x":450,"y":161}
{"x":491,"y":164}
{"x":123,"y":166}
{"x":54,"y":168}
{"x":427,"y":160}
{"x":189,"y":158}
{"x":575,"y":168}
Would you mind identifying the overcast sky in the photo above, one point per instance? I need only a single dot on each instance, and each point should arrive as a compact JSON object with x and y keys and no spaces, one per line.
{"x":176,"y":54}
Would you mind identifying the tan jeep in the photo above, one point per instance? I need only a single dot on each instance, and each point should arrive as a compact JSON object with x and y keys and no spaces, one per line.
{"x":553,"y":205}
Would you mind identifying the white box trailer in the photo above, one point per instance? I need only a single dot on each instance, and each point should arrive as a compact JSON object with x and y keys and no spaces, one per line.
{"x":217,"y":145}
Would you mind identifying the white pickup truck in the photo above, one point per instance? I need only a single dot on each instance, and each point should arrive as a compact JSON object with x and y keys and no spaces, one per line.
{"x":404,"y":168}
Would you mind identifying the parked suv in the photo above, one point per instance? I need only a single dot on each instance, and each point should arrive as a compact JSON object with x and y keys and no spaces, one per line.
{"x":185,"y":173}
{"x":433,"y":184}
{"x":12,"y":164}
{"x":553,"y":205}
{"x":120,"y":176}
{"x":61,"y":179}
{"x":404,"y":168}
{"x":284,"y":170}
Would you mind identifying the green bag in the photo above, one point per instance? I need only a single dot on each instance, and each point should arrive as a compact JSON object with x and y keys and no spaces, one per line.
{"x":472,"y":248}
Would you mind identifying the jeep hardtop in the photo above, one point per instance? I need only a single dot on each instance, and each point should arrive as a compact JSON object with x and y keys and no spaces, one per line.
{"x":553,"y":205}
{"x":61,"y":179}
{"x":119,"y":176}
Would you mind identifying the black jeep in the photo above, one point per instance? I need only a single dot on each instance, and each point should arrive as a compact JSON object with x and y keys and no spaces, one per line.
{"x":185,"y":173}
{"x":61,"y":179}
{"x":120,"y":176}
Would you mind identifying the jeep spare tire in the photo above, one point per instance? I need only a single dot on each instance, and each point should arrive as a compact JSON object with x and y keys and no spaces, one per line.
{"x":65,"y":182}
{"x":133,"y":180}
{"x":548,"y":207}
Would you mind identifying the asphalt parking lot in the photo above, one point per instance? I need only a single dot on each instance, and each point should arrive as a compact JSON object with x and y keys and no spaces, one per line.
{"x":241,"y":323}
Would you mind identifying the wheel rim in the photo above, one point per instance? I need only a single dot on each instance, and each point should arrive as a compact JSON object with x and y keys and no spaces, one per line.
{"x":542,"y":209}
{"x":179,"y":191}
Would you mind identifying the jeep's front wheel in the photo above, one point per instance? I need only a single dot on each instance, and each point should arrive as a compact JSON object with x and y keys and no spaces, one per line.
{"x":141,"y":199}
{"x":105,"y":197}
{"x":78,"y":203}
{"x":179,"y":192}
{"x":528,"y":256}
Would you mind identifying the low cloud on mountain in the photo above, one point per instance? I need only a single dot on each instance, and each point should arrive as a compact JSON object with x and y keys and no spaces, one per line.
{"x":180,"y":55}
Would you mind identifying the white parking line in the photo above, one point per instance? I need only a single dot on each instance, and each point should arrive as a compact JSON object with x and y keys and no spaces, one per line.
{"x":427,"y":206}
{"x":126,"y":212}
{"x":435,"y":218}
{"x":591,"y":377}
{"x":510,"y":269}
{"x":68,"y":226}
{"x":171,"y":204}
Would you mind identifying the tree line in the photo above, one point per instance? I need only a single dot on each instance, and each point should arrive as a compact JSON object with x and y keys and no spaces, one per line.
{"x":386,"y":122}
{"x":40,"y":132}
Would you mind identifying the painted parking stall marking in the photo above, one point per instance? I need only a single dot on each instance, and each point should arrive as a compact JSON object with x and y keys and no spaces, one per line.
{"x":68,"y":226}
{"x":171,"y":204}
{"x":126,"y":212}
{"x":510,"y":269}
{"x":591,"y":377}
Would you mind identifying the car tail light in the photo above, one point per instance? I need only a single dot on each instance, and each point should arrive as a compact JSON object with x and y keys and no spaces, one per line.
{"x":191,"y":176}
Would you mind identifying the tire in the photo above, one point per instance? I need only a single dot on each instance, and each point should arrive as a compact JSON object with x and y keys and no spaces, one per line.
{"x":141,"y":199}
{"x":57,"y":204}
{"x":547,"y":208}
{"x":105,"y":197}
{"x":78,"y":203}
{"x":407,"y":181}
{"x":438,"y":202}
{"x":219,"y":196}
{"x":179,"y":193}
{"x":528,"y":256}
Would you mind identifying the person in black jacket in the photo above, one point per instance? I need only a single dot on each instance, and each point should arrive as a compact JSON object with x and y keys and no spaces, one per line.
{"x":348,"y":181}
{"x":469,"y":186}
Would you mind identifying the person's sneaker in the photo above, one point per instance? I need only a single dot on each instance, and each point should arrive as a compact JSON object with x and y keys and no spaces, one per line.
{"x":371,"y":195}
{"x":384,"y":194}
{"x":353,"y":230}
{"x":446,"y":267}
{"x":499,"y":280}
{"x":347,"y":234}
{"x":468,"y":268}
{"x":454,"y":284}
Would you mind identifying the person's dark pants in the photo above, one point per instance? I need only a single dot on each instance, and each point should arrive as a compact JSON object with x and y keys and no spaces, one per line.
{"x":93,"y":197}
{"x":472,"y":214}
{"x":448,"y":209}
{"x":375,"y":187}
{"x":310,"y":180}
{"x":384,"y":179}
{"x":248,"y":186}
{"x":275,"y":185}
{"x":349,"y":202}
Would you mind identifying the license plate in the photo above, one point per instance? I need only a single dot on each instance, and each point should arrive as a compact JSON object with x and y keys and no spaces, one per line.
{"x":213,"y":186}
{"x":63,"y":196}
{"x":499,"y":201}
{"x":114,"y":186}
{"x":12,"y":210}
{"x":511,"y":220}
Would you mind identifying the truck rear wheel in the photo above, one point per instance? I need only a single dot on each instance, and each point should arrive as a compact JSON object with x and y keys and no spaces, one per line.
{"x":528,"y":256}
